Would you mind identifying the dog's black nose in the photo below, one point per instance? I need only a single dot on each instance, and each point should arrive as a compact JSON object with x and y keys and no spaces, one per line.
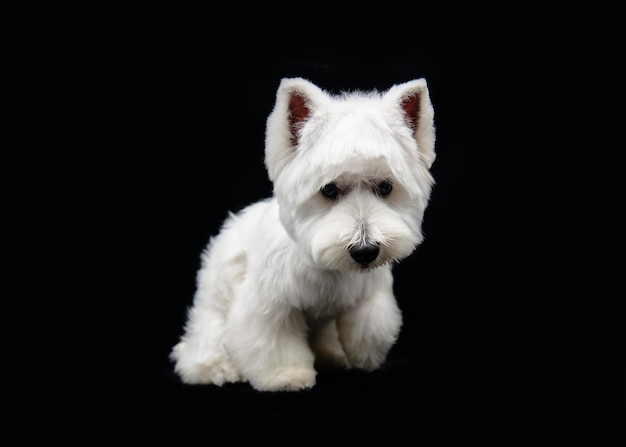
{"x":364,"y":254}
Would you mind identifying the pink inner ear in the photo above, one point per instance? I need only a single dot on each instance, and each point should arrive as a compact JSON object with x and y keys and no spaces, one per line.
{"x":298,"y":113}
{"x":411,"y":107}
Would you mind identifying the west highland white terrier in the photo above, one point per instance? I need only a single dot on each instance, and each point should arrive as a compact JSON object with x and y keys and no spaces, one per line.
{"x":302,"y":282}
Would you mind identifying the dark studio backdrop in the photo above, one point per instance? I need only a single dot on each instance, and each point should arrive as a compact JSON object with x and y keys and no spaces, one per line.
{"x":131,"y":135}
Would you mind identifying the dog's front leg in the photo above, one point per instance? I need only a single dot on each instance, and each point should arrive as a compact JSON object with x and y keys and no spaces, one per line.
{"x":369,"y":328}
{"x":269,"y":345}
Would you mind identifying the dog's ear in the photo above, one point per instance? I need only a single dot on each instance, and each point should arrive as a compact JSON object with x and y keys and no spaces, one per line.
{"x":301,"y":98}
{"x":298,"y":112}
{"x":413,"y":101}
{"x":296,"y":101}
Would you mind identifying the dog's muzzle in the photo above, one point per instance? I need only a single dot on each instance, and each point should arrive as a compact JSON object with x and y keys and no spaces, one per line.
{"x":364,"y":254}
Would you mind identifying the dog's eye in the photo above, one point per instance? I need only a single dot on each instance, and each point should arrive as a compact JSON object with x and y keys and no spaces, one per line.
{"x":384,"y":187}
{"x":330,"y":191}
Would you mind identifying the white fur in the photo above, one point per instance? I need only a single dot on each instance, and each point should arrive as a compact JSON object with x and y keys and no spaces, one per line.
{"x":279,"y":295}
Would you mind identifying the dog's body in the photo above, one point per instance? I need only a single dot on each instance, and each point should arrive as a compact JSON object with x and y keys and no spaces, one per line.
{"x":302,"y":281}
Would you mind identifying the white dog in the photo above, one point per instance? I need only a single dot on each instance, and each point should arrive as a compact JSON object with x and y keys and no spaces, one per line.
{"x":302,"y":281}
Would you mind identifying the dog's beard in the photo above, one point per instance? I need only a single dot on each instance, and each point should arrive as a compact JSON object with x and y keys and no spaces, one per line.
{"x":335,"y":235}
{"x":337,"y":257}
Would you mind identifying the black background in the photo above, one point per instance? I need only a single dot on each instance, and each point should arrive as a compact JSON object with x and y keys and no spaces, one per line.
{"x":131,"y":134}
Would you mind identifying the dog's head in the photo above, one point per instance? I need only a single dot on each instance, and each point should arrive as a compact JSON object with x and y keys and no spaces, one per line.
{"x":351,"y":171}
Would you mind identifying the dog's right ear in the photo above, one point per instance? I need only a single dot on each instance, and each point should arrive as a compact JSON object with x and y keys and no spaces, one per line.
{"x":297,"y":99}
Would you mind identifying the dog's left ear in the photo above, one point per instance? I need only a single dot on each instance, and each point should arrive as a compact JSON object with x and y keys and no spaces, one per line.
{"x":412,"y":100}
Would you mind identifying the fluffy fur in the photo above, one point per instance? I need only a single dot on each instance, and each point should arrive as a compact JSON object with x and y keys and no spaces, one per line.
{"x":302,"y":281}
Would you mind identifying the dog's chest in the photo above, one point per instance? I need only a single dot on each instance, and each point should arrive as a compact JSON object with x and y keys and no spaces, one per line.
{"x":328,"y":294}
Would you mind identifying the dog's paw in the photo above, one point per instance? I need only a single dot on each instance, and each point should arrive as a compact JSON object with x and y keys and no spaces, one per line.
{"x":368,"y":364}
{"x":217,"y":371}
{"x":286,"y":379}
{"x":331,"y":361}
{"x":366,"y":360}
